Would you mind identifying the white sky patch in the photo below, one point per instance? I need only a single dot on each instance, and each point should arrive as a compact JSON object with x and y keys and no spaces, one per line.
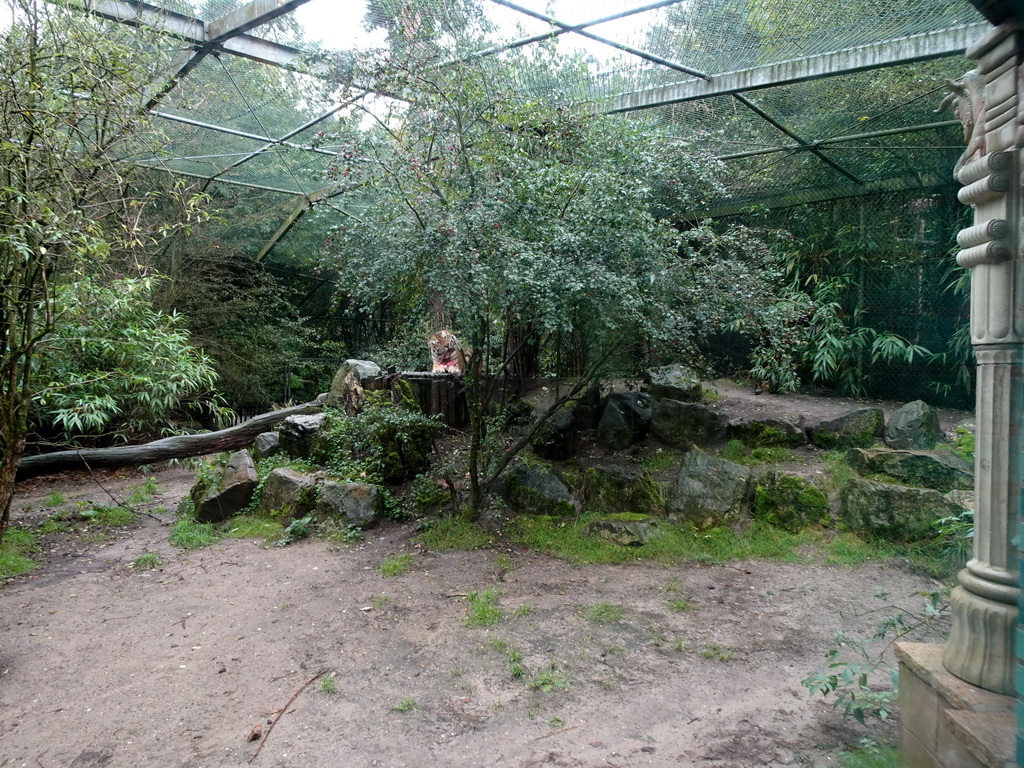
{"x":339,"y":25}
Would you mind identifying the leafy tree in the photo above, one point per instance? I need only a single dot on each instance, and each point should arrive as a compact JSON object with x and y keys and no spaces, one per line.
{"x":514,"y":218}
{"x":71,"y":96}
{"x":114,"y":366}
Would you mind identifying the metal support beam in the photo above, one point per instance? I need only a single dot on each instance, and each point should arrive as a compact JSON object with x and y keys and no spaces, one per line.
{"x":894,"y":184}
{"x":806,"y":144}
{"x":905,"y":50}
{"x":841,"y":139}
{"x":300,"y":210}
{"x":574,"y":28}
{"x":251,"y":15}
{"x":242,"y":134}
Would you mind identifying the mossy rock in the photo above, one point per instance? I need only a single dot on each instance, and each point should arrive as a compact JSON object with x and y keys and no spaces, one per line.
{"x":789,"y":502}
{"x":895,"y":512}
{"x":858,"y":428}
{"x":535,"y":488}
{"x":611,"y":490}
{"x":765,"y":433}
{"x":624,"y":530}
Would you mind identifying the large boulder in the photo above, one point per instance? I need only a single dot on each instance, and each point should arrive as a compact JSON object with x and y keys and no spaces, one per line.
{"x":684,"y":425}
{"x":535,"y":488}
{"x":287,"y":493}
{"x":940,"y":469}
{"x":708,"y":491}
{"x":757,"y":432}
{"x":232,"y":492}
{"x":556,"y":438}
{"x":915,"y":425}
{"x":614,"y":489}
{"x":348,"y":385}
{"x":897,"y":512}
{"x":858,"y":428}
{"x":266,"y":444}
{"x":673,"y":382}
{"x":626,"y":420}
{"x":789,"y":502}
{"x":298,"y":434}
{"x":350,"y":503}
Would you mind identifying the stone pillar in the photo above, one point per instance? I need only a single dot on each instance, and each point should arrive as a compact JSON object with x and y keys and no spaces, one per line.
{"x":984,"y":606}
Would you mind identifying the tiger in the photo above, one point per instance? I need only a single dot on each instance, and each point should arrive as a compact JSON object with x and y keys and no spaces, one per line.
{"x":445,"y":353}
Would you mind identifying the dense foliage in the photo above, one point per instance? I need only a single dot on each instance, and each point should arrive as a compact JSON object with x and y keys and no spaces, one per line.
{"x":115,"y":366}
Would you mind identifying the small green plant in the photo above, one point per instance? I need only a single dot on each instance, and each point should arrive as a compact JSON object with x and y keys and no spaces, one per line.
{"x":396,"y":565}
{"x":483,"y":610}
{"x":737,"y":452}
{"x":380,"y":602}
{"x":296,"y":530}
{"x":716,"y":651}
{"x":147,"y":562}
{"x":55,"y":499}
{"x":191,"y":534}
{"x":556,"y":722}
{"x":680,"y":646}
{"x":328,"y":685}
{"x":521,"y":611}
{"x":504,"y":563}
{"x":840,"y":473}
{"x":604,"y":613}
{"x":853,"y":667}
{"x":405,"y":705}
{"x":548,"y":680}
{"x":956,"y":538}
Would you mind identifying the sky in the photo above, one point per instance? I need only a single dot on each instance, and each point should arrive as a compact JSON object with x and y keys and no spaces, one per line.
{"x":339,"y":23}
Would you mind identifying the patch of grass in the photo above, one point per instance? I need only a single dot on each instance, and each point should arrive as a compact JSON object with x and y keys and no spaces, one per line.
{"x":251,"y":527}
{"x":681,"y":605}
{"x":716,"y":651}
{"x":114,"y":517}
{"x":147,"y":562}
{"x":190,"y":534}
{"x":144,"y":491}
{"x":396,"y":565}
{"x":737,"y":452}
{"x":840,"y":473}
{"x":405,"y":705}
{"x":505,"y":563}
{"x":522,"y":611}
{"x":380,"y":602}
{"x":548,"y":680}
{"x":963,"y":444}
{"x":55,"y":499}
{"x":328,"y":685}
{"x":14,"y":560}
{"x":661,"y":460}
{"x":454,"y":533}
{"x":680,"y":646}
{"x":556,"y":722}
{"x":848,"y":548}
{"x":872,"y":756}
{"x":56,"y":524}
{"x":604,"y":613}
{"x":483,"y":610}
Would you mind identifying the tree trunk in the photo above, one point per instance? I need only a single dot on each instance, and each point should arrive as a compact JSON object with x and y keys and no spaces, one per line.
{"x":176,"y":447}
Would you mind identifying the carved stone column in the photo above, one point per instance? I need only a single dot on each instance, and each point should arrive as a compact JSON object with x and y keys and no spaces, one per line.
{"x":984,"y":606}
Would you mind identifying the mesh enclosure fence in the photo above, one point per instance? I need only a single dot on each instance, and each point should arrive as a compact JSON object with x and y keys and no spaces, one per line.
{"x":822,"y":115}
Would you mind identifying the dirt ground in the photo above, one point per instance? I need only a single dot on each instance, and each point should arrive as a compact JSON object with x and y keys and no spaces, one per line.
{"x":102,"y":664}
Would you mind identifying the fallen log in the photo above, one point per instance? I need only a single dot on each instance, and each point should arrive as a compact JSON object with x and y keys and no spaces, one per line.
{"x":175,"y":447}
